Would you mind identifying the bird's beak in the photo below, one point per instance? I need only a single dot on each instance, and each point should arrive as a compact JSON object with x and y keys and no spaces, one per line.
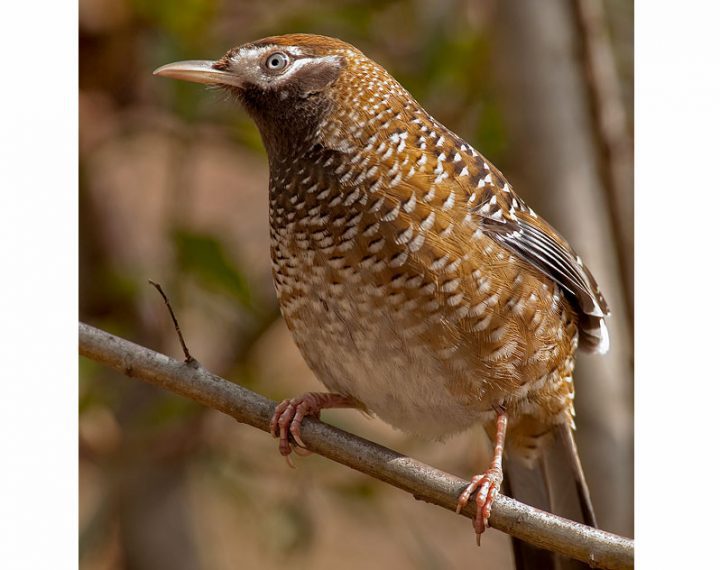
{"x":198,"y":71}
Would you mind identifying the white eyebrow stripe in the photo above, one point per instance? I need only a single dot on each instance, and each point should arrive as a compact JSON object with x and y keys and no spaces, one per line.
{"x":294,"y":50}
{"x":251,"y":52}
{"x":256,"y":50}
{"x":300,"y":61}
{"x":270,"y":48}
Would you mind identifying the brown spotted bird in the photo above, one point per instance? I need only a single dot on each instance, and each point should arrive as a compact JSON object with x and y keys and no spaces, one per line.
{"x":417,"y":284}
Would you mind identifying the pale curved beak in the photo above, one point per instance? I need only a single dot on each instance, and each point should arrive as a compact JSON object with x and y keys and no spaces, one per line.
{"x":198,"y":71}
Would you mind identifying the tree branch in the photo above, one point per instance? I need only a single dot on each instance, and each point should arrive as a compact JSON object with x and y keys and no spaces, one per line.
{"x":542,"y":529}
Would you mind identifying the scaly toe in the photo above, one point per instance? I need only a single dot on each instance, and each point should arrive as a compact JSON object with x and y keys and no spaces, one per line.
{"x":274,"y":422}
{"x":464,"y":498}
{"x":485,"y":487}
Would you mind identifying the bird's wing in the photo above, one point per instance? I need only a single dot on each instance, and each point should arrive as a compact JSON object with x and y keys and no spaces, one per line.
{"x":503,"y":216}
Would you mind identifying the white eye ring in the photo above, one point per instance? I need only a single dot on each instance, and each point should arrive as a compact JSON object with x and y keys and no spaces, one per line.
{"x":277,"y":61}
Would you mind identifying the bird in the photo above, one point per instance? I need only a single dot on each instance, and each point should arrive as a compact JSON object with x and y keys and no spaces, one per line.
{"x":417,"y":284}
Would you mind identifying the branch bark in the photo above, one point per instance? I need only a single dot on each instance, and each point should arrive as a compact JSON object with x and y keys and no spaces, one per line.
{"x":596,"y":547}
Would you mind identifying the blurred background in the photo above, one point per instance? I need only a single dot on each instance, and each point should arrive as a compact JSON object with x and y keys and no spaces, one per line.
{"x":173,"y":187}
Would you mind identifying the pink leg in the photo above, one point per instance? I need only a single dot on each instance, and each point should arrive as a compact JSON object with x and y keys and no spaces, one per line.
{"x":289,"y":415}
{"x":487,"y":484}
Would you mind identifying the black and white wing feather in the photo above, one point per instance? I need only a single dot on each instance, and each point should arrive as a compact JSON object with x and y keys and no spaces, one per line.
{"x":504,"y":217}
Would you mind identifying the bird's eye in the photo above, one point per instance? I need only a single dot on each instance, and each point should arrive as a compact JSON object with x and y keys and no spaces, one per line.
{"x":277,"y":61}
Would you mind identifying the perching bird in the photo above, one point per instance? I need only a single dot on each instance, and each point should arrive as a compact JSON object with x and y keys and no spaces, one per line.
{"x":417,"y":284}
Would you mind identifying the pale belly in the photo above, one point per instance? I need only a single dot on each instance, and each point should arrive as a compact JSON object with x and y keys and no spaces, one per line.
{"x":368,"y":354}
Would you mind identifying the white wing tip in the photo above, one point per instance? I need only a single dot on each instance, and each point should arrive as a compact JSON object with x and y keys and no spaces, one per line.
{"x":604,"y":344}
{"x":594,"y":336}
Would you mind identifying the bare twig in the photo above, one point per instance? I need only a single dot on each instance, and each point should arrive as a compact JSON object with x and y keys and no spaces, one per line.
{"x":542,"y":529}
{"x":189,"y":359}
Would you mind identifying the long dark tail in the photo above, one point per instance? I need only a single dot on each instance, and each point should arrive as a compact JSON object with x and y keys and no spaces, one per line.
{"x":556,"y":484}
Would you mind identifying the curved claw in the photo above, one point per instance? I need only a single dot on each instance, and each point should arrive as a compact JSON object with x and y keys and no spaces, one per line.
{"x":301,"y":410}
{"x":289,"y":461}
{"x":286,"y":422}
{"x":302,"y":452}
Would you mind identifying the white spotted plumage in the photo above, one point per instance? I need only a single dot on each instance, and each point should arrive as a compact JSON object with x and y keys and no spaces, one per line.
{"x":406,"y":271}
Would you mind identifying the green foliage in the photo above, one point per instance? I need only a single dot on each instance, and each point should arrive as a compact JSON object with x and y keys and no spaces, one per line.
{"x":205,"y":258}
{"x":188,"y":20}
{"x":338,"y":19}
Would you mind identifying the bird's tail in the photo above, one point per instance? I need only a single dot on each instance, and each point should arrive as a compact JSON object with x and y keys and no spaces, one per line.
{"x":553,"y":482}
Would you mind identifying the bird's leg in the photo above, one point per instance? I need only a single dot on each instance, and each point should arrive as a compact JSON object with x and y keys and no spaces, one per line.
{"x":487,"y":484}
{"x":289,"y":415}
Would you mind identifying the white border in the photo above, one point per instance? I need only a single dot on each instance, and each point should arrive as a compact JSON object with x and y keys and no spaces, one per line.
{"x":38,"y":285}
{"x":677,"y":309}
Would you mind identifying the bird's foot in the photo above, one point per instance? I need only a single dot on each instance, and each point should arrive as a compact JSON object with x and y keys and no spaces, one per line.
{"x":289,"y":414}
{"x":487,"y":486}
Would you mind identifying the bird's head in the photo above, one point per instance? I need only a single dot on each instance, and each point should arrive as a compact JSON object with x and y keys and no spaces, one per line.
{"x":288,"y":84}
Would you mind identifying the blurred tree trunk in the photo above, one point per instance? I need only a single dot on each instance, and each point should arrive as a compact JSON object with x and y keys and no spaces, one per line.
{"x":555,"y":164}
{"x":153,"y":515}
